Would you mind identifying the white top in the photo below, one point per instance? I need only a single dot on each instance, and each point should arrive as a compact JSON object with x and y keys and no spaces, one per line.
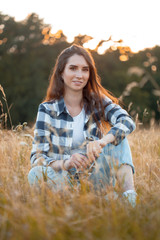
{"x":78,"y":134}
{"x":78,"y":125}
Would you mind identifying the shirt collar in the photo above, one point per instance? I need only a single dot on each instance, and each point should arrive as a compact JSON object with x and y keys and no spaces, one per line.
{"x":60,"y":105}
{"x":87,"y":115}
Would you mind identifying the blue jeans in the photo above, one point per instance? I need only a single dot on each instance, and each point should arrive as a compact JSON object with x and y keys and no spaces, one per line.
{"x":103,"y":173}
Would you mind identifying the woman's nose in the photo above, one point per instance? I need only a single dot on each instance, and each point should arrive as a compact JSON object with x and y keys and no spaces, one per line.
{"x":79,"y":73}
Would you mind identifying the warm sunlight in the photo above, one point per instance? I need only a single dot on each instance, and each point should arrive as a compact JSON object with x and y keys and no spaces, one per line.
{"x":136,"y":22}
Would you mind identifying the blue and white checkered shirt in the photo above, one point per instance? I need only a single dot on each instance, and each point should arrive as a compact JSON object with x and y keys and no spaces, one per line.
{"x":53,"y":133}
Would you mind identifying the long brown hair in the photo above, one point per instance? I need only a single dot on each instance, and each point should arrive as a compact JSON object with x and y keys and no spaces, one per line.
{"x":92,"y":93}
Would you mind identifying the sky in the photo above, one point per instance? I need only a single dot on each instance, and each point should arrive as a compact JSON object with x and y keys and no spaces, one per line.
{"x":134,"y":21}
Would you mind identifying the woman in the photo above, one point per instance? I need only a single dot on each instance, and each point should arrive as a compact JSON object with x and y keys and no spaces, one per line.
{"x":69,"y":136}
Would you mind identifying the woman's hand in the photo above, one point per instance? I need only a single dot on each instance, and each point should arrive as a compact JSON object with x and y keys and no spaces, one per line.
{"x":78,"y":161}
{"x":94,"y":148}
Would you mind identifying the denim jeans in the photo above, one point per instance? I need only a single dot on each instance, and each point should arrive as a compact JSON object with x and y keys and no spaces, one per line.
{"x":102,"y":174}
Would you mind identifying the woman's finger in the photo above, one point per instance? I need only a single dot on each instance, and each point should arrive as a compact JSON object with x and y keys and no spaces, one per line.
{"x":97,"y":149}
{"x":80,"y":160}
{"x":94,"y":149}
{"x":83,"y":161}
{"x":90,"y":153}
{"x":77,"y":163}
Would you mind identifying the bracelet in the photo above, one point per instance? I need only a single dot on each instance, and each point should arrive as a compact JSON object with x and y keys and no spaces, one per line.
{"x":63,"y":167}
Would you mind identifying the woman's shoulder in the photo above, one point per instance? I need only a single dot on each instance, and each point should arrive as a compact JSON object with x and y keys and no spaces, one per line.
{"x":102,"y":96}
{"x":47,"y":106}
{"x":106,"y":100}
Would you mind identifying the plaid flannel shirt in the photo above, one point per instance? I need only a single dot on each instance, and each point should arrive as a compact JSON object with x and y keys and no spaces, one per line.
{"x":54,"y":130}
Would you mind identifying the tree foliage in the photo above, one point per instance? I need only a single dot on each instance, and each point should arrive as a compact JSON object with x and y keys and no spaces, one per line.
{"x":28,"y":50}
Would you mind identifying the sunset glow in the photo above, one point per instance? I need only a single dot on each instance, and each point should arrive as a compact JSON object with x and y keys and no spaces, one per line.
{"x":135,"y":22}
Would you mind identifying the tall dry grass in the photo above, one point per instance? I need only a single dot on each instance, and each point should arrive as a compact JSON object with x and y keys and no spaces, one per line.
{"x":29,"y":214}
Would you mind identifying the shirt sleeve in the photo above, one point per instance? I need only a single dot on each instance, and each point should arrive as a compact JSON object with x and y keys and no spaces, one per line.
{"x":42,"y":141}
{"x":121,"y":122}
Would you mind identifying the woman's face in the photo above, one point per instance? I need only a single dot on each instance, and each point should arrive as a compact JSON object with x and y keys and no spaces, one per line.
{"x":76,"y":73}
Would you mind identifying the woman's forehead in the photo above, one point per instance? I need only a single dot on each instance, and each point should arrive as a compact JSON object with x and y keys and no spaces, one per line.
{"x":77,"y":60}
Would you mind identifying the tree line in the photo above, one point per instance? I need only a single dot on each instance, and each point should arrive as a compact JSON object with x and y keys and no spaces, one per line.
{"x":28,"y":51}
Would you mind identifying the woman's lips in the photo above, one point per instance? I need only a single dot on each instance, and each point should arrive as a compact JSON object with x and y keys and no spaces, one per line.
{"x":77,"y":82}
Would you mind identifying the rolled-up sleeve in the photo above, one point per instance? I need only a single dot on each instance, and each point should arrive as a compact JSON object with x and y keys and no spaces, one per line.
{"x":41,"y":143}
{"x":121,"y":122}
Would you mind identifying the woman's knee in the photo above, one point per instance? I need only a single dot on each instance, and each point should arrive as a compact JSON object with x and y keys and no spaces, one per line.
{"x":54,"y":179}
{"x":36,"y":174}
{"x":125,"y":177}
{"x":120,"y":154}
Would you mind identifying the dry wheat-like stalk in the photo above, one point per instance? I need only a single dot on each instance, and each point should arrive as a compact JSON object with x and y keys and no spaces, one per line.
{"x":27,"y":213}
{"x":8,"y":108}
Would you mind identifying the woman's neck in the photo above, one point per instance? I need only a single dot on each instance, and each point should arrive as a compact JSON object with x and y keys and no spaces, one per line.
{"x":74,"y":99}
{"x":74,"y":103}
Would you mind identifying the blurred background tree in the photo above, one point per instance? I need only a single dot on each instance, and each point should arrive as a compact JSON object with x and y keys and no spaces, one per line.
{"x":28,"y":51}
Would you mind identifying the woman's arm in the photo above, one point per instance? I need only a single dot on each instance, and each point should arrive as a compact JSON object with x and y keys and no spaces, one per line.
{"x":41,"y":143}
{"x":94,"y":148}
{"x":121,"y":122}
{"x":122,"y":125}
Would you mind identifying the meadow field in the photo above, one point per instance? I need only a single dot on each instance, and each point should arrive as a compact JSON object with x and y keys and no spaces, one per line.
{"x":26,"y":213}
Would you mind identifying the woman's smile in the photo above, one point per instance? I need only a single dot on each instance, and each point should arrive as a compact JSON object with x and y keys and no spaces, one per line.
{"x":76,"y":82}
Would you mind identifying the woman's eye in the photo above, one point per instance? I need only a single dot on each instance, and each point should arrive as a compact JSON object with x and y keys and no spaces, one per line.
{"x":85,"y":70}
{"x":72,"y":68}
